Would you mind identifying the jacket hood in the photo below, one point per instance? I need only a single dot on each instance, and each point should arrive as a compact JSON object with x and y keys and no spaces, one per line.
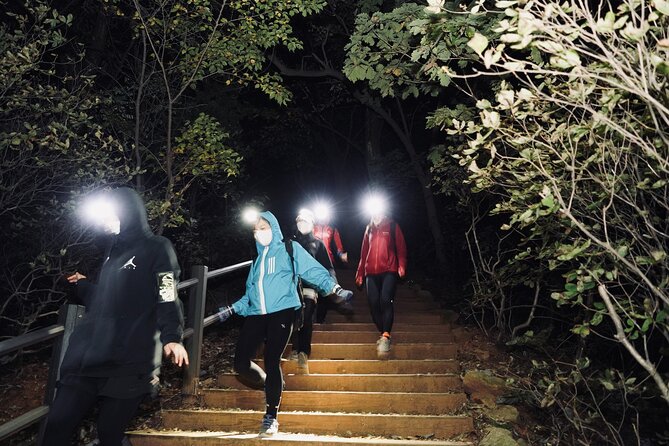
{"x":131,"y":213}
{"x":277,"y":236}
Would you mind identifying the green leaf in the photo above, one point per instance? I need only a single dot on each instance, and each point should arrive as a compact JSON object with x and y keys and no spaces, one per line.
{"x":661,"y":6}
{"x":608,"y":385}
{"x":597,"y":319}
{"x":582,"y":330}
{"x":478,"y":43}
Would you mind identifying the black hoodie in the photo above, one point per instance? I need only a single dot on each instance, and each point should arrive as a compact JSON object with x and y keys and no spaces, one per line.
{"x":134,"y":308}
{"x":316,"y":248}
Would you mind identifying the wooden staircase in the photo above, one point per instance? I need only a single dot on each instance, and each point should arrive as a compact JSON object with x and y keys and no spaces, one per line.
{"x":410,"y":397}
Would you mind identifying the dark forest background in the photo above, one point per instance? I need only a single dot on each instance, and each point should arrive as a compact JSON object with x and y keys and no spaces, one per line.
{"x":524,"y":154}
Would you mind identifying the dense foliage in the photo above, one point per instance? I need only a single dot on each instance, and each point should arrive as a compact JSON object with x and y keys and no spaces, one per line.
{"x":108,"y":94}
{"x":556,"y":120}
{"x":534,"y":132}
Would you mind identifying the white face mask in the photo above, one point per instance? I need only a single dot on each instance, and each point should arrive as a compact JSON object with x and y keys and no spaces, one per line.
{"x":263,"y":237}
{"x":305,"y":227}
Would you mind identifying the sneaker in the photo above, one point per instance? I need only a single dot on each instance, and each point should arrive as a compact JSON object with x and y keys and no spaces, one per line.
{"x":383,"y":345}
{"x":269,"y":426}
{"x":293,"y":356}
{"x":345,"y":308}
{"x":302,"y":363}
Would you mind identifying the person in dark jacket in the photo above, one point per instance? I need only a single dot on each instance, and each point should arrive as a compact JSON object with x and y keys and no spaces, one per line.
{"x":305,"y":237}
{"x":382,"y":261}
{"x":133,"y":315}
{"x":269,"y":305}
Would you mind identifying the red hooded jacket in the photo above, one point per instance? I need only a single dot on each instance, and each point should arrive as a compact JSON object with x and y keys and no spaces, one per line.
{"x":377,"y":255}
{"x":326,"y":234}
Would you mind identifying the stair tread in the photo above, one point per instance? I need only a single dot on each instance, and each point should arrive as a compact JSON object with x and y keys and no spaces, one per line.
{"x":412,"y":395}
{"x":324,"y":423}
{"x":301,"y":413}
{"x":312,"y":439}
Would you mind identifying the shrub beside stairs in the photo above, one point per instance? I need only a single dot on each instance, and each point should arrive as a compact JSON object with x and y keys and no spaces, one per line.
{"x":412,"y":397}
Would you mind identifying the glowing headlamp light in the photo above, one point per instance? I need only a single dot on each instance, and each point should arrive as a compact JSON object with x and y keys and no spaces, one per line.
{"x":375,"y":205}
{"x":322,"y":211}
{"x":251,"y":216}
{"x":101,"y":211}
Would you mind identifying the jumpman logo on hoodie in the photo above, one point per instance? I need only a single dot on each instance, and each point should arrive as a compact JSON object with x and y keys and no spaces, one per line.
{"x":130,"y":264}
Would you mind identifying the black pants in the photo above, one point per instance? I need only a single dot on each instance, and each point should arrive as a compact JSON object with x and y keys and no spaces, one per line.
{"x":324,"y":304}
{"x":274,"y":329}
{"x":303,"y":339}
{"x":380,"y":295}
{"x":75,"y":400}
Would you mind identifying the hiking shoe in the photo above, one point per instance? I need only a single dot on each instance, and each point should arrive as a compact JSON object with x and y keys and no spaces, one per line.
{"x":383,"y":345}
{"x":302,"y":363}
{"x":269,"y":426}
{"x":345,"y":308}
{"x":293,"y":356}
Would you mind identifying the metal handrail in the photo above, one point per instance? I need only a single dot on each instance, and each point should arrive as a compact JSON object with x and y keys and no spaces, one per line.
{"x":68,"y":318}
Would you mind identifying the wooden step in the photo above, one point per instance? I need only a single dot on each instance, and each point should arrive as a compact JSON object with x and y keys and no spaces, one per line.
{"x":415,"y":383}
{"x":368,"y":351}
{"x":198,"y":438}
{"x":363,"y":305}
{"x":403,"y":318}
{"x":350,"y":402}
{"x":362,"y":337}
{"x":368,"y":326}
{"x":441,"y":426}
{"x":400,"y":295}
{"x":373,"y":366}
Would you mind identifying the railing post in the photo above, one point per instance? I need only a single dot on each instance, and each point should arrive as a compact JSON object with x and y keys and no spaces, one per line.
{"x":69,"y":316}
{"x":193,"y":344}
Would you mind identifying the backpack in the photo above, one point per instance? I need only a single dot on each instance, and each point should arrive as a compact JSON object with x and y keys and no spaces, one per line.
{"x":299,"y":314}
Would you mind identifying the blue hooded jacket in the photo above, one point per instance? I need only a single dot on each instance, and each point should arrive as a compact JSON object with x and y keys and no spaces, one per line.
{"x":270,"y":286}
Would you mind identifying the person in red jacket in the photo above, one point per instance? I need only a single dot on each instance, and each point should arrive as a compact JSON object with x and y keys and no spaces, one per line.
{"x":382,"y":261}
{"x":328,"y":234}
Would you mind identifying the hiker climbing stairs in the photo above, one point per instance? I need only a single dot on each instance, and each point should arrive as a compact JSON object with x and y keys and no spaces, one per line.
{"x":412,"y":396}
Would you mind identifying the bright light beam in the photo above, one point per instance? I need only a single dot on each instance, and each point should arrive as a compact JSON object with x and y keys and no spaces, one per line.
{"x":375,"y":205}
{"x":322,"y":211}
{"x":101,"y":211}
{"x":250,"y":216}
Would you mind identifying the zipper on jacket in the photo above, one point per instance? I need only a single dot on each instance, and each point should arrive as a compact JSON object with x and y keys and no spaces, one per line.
{"x":263,"y":306}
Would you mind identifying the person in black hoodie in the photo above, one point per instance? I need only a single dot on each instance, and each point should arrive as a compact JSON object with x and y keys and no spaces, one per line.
{"x":302,"y":339}
{"x":114,"y":354}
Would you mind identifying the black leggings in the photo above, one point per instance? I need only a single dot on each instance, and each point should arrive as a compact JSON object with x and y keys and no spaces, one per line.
{"x":274,"y":329}
{"x":302,"y":341}
{"x":380,"y":295}
{"x":324,"y":304}
{"x":75,"y":400}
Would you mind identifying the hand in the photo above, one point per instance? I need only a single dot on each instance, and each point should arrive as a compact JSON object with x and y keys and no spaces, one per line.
{"x":224,"y":313}
{"x":343,"y":257}
{"x":341,"y":295}
{"x":401,"y":272}
{"x":76,"y":277}
{"x":177,"y":352}
{"x":358,"y":282}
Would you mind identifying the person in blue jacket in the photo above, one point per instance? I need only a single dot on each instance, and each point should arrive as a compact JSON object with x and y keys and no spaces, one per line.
{"x":269,"y":306}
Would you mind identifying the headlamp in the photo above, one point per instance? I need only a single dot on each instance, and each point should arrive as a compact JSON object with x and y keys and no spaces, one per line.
{"x":375,"y":205}
{"x":322,"y":211}
{"x":250,"y":216}
{"x":101,"y":211}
